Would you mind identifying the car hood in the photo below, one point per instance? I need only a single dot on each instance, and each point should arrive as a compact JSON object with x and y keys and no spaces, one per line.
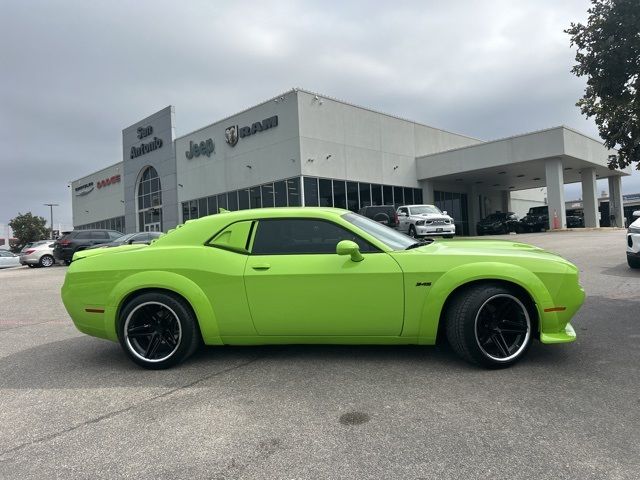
{"x":432,"y":216}
{"x":487,"y":250}
{"x":489,"y":222}
{"x":102,"y":251}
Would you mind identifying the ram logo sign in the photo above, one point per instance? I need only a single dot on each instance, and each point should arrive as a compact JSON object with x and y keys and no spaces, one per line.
{"x":234,"y":133}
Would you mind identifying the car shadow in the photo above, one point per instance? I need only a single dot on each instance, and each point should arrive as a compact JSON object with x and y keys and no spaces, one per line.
{"x":621,"y":270}
{"x":84,"y":362}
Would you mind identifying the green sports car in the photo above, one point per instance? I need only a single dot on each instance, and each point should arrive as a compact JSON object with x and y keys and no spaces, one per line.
{"x":319,"y":275}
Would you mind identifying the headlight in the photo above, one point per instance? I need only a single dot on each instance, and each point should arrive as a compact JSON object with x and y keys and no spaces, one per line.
{"x":633,"y":230}
{"x":420,"y":222}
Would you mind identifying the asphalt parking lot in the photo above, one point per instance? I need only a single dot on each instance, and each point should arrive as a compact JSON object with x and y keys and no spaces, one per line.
{"x":74,"y":406}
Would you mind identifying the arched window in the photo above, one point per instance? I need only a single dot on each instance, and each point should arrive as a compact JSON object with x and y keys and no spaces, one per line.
{"x":150,"y":201}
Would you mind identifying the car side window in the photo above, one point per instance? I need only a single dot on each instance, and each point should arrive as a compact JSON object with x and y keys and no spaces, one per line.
{"x":114,"y":235}
{"x":83,"y":235}
{"x":99,"y":235}
{"x":233,"y":237}
{"x":403,"y":210}
{"x":294,"y":236}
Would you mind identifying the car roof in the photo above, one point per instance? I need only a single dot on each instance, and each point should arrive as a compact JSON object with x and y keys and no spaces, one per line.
{"x":205,"y":227}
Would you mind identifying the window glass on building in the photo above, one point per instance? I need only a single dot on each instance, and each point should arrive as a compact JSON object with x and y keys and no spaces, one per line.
{"x":202,"y":207}
{"x":267,"y":195}
{"x":339,"y":194}
{"x":365,"y":194}
{"x":387,"y":195}
{"x":232,"y":199}
{"x":408,"y":195}
{"x":212,"y":205}
{"x":193,"y":209}
{"x":311,"y":192}
{"x":353,"y":202}
{"x":280,"y":194}
{"x":254,"y":194}
{"x":325,"y":192}
{"x":293,"y":192}
{"x":302,"y":236}
{"x":185,"y":212}
{"x":222,"y":201}
{"x":417,"y":195}
{"x":243,"y":199}
{"x":376,"y":195}
{"x":398,"y":197}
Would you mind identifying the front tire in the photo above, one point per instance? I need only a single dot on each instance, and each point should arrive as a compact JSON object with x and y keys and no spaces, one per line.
{"x":633,"y":262}
{"x":158,"y":330}
{"x":489,"y":325}
{"x":412,"y":231}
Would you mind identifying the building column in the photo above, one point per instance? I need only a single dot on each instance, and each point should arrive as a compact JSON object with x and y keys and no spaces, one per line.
{"x":555,"y":193}
{"x":615,"y":201}
{"x":590,"y":198}
{"x":473,"y":207}
{"x":427,"y":192}
{"x":506,"y":201}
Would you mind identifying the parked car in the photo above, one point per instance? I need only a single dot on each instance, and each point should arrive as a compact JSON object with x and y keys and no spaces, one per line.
{"x":8,"y":259}
{"x":38,"y":254}
{"x":321,"y":275}
{"x":384,"y":214}
{"x":425,"y":220}
{"x":497,"y":223}
{"x":79,"y":240}
{"x":536,"y":220}
{"x":130,"y":239}
{"x":633,"y":242}
{"x":575,"y":218}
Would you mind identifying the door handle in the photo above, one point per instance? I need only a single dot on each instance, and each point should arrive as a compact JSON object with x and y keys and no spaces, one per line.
{"x":261,"y":266}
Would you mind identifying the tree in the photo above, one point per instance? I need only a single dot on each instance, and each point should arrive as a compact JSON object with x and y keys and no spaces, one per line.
{"x":28,"y":228}
{"x":609,"y":56}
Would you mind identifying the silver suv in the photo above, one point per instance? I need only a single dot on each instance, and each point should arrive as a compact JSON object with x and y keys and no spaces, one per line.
{"x":425,"y":220}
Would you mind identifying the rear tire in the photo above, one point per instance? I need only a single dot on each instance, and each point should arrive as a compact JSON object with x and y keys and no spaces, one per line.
{"x":46,"y":261}
{"x":158,"y":330}
{"x":489,"y":325}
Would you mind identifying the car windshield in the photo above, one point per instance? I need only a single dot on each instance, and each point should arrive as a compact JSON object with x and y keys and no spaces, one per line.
{"x":422,"y":209}
{"x":390,"y":237}
{"x":123,"y":238}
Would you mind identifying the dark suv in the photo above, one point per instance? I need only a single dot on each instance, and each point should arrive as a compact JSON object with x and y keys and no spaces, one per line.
{"x":536,"y":220}
{"x":384,"y":214}
{"x":67,"y":245}
{"x":498,"y":223}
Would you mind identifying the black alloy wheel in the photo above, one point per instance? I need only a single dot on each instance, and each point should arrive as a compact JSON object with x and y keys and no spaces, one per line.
{"x":412,"y":231}
{"x":489,"y":324}
{"x":158,"y":330}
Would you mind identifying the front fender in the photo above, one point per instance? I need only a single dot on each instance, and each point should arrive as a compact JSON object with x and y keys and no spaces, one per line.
{"x":167,"y":281}
{"x":464,"y":274}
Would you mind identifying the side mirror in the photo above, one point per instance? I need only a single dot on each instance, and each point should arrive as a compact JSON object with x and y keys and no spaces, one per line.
{"x":444,"y":212}
{"x":347,"y":247}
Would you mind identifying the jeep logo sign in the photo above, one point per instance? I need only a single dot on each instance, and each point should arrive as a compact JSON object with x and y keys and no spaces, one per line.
{"x":206,"y":147}
{"x":233,"y":133}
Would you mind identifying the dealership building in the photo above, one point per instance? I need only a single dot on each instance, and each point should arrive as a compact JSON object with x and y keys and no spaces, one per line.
{"x":306,"y":149}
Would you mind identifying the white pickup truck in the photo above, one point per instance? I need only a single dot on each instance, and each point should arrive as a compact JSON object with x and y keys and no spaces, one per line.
{"x":425,"y":220}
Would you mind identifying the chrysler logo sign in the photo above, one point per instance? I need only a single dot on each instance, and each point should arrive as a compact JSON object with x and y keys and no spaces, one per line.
{"x":206,"y":147}
{"x":85,"y":189}
{"x":233,"y":134}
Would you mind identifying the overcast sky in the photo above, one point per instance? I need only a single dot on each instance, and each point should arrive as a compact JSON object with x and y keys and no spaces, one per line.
{"x":74,"y":74}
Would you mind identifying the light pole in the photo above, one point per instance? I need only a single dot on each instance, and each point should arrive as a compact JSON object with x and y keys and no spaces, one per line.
{"x":51,"y":205}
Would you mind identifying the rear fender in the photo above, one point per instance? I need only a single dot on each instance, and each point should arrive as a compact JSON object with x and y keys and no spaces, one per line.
{"x":173,"y":282}
{"x":465,"y":274}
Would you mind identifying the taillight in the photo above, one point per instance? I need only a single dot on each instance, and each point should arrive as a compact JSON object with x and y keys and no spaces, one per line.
{"x":395,"y":218}
{"x":64,"y":243}
{"x":29,"y":252}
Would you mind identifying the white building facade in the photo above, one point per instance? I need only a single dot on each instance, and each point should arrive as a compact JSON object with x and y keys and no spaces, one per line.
{"x":305,"y":149}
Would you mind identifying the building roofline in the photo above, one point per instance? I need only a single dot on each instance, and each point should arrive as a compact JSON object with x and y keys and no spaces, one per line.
{"x":510,"y":137}
{"x":328,"y":97}
{"x":97,"y":171}
{"x":293,"y":90}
